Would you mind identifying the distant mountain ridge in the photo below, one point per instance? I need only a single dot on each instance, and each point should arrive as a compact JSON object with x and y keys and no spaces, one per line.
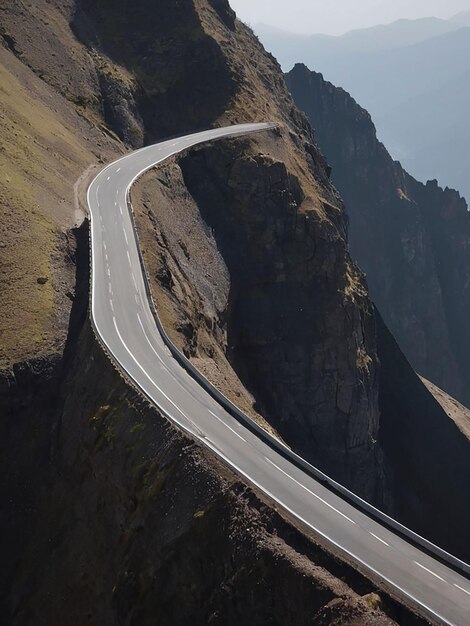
{"x":398,"y":34}
{"x":413,"y":76}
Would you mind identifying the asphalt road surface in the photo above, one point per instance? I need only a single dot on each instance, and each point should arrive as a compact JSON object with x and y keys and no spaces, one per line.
{"x":123,"y":319}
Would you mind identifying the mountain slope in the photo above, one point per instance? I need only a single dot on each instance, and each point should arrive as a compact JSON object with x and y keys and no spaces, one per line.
{"x":142,"y":95}
{"x":411,"y":239}
{"x":45,"y":146}
{"x":184,"y":67}
{"x":246,"y":247}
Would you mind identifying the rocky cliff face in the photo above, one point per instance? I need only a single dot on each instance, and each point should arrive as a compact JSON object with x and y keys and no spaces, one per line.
{"x":201,"y":251}
{"x":132,"y":523}
{"x":306,"y":352}
{"x":412,"y":240}
{"x":259,"y":287}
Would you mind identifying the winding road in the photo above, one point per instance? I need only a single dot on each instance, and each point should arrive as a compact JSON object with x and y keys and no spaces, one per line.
{"x":123,"y":319}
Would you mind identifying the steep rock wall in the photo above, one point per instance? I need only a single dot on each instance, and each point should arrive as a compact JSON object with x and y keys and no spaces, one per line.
{"x":249,"y":261}
{"x":412,"y":240}
{"x":306,"y":351}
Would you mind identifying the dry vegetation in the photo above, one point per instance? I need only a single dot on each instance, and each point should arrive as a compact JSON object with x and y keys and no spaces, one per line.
{"x":44,"y":147}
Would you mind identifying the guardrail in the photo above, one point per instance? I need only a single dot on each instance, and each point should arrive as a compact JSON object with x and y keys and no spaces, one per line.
{"x":406,"y":533}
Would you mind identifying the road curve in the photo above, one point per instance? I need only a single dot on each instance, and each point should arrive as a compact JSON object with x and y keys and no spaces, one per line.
{"x":123,"y":319}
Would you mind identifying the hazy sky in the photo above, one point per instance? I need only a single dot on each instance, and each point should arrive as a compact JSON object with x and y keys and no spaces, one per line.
{"x":337,"y":16}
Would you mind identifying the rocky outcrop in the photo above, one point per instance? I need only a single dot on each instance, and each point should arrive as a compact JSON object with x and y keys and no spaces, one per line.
{"x":171,"y":60}
{"x":305,"y":351}
{"x":26,"y":431}
{"x":412,"y":240}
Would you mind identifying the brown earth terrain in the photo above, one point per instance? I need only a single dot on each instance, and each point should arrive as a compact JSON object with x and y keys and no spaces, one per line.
{"x":44,"y":147}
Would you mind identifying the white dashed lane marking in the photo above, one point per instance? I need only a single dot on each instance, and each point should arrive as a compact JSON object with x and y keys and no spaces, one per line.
{"x":310,"y":492}
{"x":229,"y":427}
{"x":429,"y":571}
{"x":379,"y":539}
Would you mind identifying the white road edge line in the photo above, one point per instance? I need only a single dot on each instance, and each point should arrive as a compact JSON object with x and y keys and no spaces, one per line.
{"x":430,"y":571}
{"x":379,"y":539}
{"x":149,"y":342}
{"x":332,"y":541}
{"x":178,"y":382}
{"x":310,"y":492}
{"x":144,"y":371}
